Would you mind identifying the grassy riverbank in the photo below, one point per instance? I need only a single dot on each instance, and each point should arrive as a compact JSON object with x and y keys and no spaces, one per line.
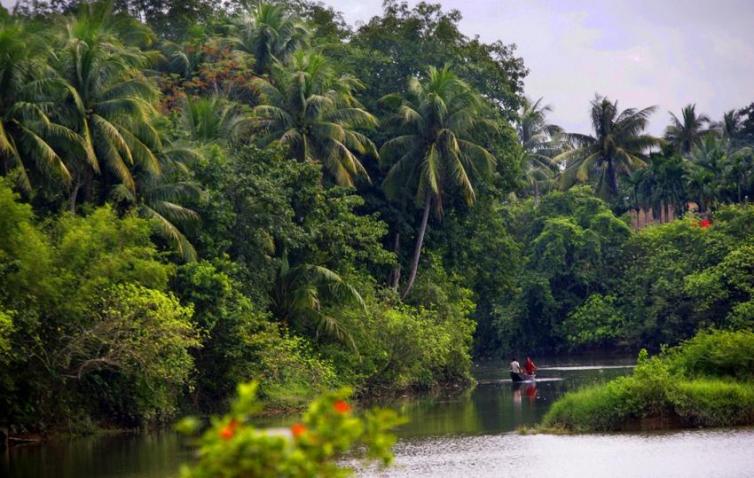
{"x":707,"y":381}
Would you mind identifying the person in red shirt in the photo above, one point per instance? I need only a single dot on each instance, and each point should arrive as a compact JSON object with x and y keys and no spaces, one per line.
{"x":529,"y":366}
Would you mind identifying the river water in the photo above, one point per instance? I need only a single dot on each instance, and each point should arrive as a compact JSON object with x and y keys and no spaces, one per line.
{"x":467,"y":435}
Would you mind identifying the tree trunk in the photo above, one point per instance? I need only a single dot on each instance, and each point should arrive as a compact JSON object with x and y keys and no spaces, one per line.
{"x":74,"y":195}
{"x":395,"y":276}
{"x":418,"y":247}
{"x":612,"y":178}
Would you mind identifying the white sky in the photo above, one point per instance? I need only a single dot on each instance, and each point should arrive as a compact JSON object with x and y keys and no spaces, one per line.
{"x":640,"y":52}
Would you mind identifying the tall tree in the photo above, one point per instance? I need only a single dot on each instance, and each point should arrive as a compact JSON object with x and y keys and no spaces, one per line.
{"x":301,"y":293}
{"x":310,"y":109}
{"x":29,"y":140}
{"x":267,"y":32}
{"x":111,"y":101}
{"x":540,"y":143}
{"x":618,"y":146}
{"x":686,"y":132}
{"x":435,"y":154}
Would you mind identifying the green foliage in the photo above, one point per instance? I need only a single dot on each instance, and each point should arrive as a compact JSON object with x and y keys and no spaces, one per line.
{"x":144,"y":337}
{"x":90,"y":318}
{"x":595,"y":322}
{"x":314,"y":112}
{"x":715,"y":353}
{"x":617,"y":147}
{"x":685,"y":386}
{"x":571,"y":246}
{"x":233,"y":447}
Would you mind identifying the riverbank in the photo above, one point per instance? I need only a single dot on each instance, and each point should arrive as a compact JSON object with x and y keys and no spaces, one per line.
{"x":706,"y":382}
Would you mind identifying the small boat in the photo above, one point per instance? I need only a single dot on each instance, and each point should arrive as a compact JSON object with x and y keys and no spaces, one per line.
{"x":523,"y":377}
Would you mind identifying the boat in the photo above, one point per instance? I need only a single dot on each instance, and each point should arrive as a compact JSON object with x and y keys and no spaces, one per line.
{"x":523,"y":377}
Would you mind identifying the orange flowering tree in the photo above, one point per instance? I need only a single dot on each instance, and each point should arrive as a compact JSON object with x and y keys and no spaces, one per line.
{"x":233,"y":447}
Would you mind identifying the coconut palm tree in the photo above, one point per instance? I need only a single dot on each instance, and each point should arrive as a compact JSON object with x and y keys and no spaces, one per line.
{"x":540,"y":142}
{"x":730,"y":126}
{"x":269,"y":34}
{"x":30,"y":142}
{"x":618,"y":147}
{"x":435,"y":153}
{"x":215,"y":119}
{"x":314,"y":112}
{"x":703,"y":167}
{"x":160,"y":197}
{"x":111,"y":103}
{"x":686,"y":132}
{"x":302,"y":291}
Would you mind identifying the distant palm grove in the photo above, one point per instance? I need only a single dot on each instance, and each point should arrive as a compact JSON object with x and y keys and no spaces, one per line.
{"x":195,"y":194}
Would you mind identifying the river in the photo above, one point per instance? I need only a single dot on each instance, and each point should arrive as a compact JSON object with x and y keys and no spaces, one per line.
{"x":468,"y":435}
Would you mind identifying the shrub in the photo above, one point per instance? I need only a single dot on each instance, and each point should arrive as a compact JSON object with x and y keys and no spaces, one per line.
{"x":680,"y":385}
{"x":715,"y":353}
{"x":233,"y":447}
{"x":714,"y":402}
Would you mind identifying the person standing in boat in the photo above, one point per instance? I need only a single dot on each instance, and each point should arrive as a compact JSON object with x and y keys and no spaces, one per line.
{"x":529,"y":366}
{"x":515,"y":370}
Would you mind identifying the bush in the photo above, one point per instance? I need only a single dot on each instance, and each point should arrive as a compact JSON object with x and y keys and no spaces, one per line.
{"x":614,"y":405}
{"x":679,"y":387}
{"x":715,"y":353}
{"x":137,"y":340}
{"x":714,"y":403}
{"x":233,"y":447}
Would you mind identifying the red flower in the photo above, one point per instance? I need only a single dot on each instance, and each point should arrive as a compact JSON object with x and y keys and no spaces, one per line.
{"x":341,"y":407}
{"x":227,"y":432}
{"x":298,"y":429}
{"x":705,"y":223}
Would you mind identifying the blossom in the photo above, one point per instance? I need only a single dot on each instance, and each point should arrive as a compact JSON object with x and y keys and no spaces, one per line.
{"x":342,"y":407}
{"x":227,"y":432}
{"x":705,"y":223}
{"x":298,"y":429}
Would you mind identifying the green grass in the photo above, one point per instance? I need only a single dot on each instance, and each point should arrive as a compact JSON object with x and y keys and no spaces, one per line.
{"x":690,"y":386}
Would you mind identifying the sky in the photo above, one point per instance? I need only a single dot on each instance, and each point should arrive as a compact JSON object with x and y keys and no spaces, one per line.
{"x":666,"y":53}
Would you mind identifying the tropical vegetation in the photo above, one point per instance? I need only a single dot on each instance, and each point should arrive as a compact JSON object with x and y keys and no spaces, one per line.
{"x":196,"y":195}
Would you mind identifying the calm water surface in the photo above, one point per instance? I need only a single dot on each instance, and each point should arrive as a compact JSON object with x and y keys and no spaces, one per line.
{"x":467,"y":435}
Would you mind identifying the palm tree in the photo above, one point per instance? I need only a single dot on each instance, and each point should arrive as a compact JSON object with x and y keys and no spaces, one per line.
{"x":435,"y":152}
{"x":300,"y":293}
{"x":110,"y":101}
{"x":704,"y":166}
{"x":29,"y":140}
{"x":313,"y":112}
{"x":618,"y":146}
{"x":730,"y":126}
{"x":686,"y":132}
{"x":540,"y":143}
{"x":159,"y":197}
{"x":268,"y":34}
{"x":214,"y":119}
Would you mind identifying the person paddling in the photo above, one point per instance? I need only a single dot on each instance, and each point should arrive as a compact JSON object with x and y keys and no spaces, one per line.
{"x":529,"y":366}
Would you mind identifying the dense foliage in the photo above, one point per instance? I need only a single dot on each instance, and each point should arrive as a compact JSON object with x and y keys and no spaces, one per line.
{"x":197,"y":194}
{"x":707,"y":381}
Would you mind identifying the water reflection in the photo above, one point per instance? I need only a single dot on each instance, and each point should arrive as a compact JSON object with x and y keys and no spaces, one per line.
{"x":495,"y":406}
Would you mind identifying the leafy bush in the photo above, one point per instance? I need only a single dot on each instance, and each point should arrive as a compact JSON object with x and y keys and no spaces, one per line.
{"x":713,"y":402}
{"x":715,"y":353}
{"x":679,"y":387}
{"x":233,"y":447}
